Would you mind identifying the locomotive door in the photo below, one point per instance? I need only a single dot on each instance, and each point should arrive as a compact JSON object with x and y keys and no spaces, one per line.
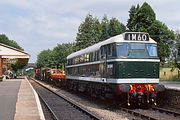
{"x":103,"y":64}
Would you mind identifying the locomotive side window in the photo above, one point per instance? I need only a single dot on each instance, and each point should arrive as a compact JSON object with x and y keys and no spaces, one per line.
{"x":91,"y":57}
{"x":109,"y":50}
{"x":86,"y":57}
{"x":103,"y":52}
{"x":96,"y":55}
{"x":76,"y":60}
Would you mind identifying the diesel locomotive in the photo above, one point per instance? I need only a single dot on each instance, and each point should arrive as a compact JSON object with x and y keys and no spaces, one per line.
{"x":125,"y":66}
{"x":53,"y":76}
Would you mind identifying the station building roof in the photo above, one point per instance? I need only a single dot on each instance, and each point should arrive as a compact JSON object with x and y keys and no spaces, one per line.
{"x":12,"y":53}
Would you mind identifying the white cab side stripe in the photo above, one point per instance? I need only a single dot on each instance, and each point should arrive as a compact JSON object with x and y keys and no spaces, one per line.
{"x":89,"y":63}
{"x":111,"y":80}
{"x":134,"y":60}
{"x":113,"y":60}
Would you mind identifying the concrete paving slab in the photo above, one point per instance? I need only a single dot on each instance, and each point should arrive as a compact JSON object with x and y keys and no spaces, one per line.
{"x":19,"y":101}
{"x":172,"y":85}
{"x":8,"y":97}
{"x":27,"y":106}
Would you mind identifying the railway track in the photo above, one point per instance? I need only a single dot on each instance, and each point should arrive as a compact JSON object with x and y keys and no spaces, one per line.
{"x":51,"y":115}
{"x":154,"y":113}
{"x":137,"y":114}
{"x":61,"y":107}
{"x":167,"y":111}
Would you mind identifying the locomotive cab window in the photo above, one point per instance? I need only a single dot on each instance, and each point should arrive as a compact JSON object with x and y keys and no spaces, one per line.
{"x":152,"y":50}
{"x":137,"y":50}
{"x":122,"y":50}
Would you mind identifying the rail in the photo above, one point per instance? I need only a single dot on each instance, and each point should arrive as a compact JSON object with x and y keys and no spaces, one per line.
{"x":176,"y":114}
{"x":75,"y":105}
{"x":48,"y":107}
{"x":133,"y":112}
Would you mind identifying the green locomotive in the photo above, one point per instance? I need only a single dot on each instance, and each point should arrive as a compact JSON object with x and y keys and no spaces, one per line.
{"x":124,"y":66}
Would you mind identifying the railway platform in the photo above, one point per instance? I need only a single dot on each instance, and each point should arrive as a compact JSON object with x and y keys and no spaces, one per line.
{"x":19,"y":101}
{"x":171,"y":85}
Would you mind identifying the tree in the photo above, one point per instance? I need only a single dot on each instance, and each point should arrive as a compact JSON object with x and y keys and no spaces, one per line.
{"x":177,"y":38}
{"x":104,"y":25}
{"x":97,"y":31}
{"x":44,"y":59}
{"x":5,"y":40}
{"x":55,"y":58}
{"x":162,"y":35}
{"x":86,"y":34}
{"x":143,"y":18}
{"x":115,"y":27}
{"x":132,"y":12}
{"x":91,"y":31}
{"x":60,"y":52}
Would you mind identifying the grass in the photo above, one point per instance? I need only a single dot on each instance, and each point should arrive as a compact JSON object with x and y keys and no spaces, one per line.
{"x":169,"y":74}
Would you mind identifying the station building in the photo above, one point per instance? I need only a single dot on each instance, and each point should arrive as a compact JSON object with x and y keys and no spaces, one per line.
{"x":10,"y":55}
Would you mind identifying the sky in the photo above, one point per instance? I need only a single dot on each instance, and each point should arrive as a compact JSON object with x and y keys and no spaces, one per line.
{"x":38,"y":25}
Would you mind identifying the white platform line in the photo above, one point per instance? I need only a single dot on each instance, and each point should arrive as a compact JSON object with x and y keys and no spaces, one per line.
{"x":37,"y":101}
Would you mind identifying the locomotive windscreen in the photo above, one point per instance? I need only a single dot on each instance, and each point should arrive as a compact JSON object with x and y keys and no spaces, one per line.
{"x":136,"y":50}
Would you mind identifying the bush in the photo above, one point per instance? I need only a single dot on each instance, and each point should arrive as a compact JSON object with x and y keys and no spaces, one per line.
{"x":1,"y":78}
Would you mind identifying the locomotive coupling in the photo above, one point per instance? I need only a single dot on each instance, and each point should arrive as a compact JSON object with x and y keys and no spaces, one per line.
{"x":159,"y":87}
{"x":124,"y":88}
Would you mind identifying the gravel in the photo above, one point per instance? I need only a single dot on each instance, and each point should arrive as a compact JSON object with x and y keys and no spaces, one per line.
{"x":100,"y":109}
{"x":106,"y":112}
{"x":170,"y":98}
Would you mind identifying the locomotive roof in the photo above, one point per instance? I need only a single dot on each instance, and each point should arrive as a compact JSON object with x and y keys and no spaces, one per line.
{"x":115,"y":39}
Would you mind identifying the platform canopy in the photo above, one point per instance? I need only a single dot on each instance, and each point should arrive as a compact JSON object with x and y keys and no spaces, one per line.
{"x":10,"y":55}
{"x":11,"y":52}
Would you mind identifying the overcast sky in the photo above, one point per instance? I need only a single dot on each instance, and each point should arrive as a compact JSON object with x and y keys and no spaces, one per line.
{"x":37,"y":25}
